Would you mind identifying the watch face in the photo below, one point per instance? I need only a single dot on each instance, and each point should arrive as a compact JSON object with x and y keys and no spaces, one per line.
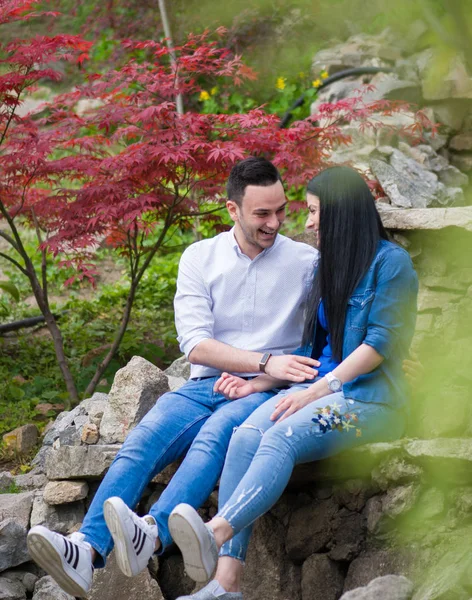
{"x":335,"y":385}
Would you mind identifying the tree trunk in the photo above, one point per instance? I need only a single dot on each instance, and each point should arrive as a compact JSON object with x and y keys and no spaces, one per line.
{"x":41,"y":299}
{"x":116,"y":342}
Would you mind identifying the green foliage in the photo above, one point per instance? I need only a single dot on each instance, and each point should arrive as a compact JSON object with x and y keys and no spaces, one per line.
{"x":279,"y":97}
{"x":29,"y":374}
{"x":11,"y":489}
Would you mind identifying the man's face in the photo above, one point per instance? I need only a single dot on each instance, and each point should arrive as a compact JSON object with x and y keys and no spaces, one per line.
{"x":259,"y":217}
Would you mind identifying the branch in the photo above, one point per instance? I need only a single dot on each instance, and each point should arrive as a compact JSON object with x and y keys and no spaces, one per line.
{"x":18,"y":94}
{"x":43,"y":257}
{"x":9,"y":239}
{"x":170,"y":45}
{"x":18,"y":243}
{"x":14,"y":262}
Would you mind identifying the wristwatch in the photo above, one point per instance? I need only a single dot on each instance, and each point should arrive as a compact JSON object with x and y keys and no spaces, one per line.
{"x":263,"y":362}
{"x":334,"y":384}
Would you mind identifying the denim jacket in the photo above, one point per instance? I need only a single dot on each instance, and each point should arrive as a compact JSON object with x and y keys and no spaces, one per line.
{"x":380,"y":313}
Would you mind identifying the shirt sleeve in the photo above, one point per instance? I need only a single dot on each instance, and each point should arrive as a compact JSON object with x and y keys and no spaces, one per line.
{"x":194,"y":319}
{"x":393,"y":312}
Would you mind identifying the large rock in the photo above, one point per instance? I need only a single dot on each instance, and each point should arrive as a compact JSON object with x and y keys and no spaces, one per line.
{"x":310,"y":529}
{"x":429,"y":218}
{"x":95,"y":407}
{"x":179,"y":368}
{"x":322,"y":578}
{"x":11,"y":589}
{"x":34,"y":480}
{"x":269,"y":575}
{"x":376,"y":563}
{"x":460,"y":142}
{"x":23,"y":576}
{"x":450,"y":459}
{"x":16,"y":506}
{"x":47,"y":589}
{"x":66,"y":420}
{"x":13,"y":549}
{"x":6,"y":481}
{"x":447,"y":572}
{"x":63,"y":518}
{"x":389,"y":587}
{"x":407,"y":183}
{"x":347,"y":535}
{"x":22,"y":439}
{"x":462,"y":161}
{"x":79,"y":462}
{"x":134,"y":392}
{"x":395,"y":470}
{"x":178,"y":373}
{"x":399,"y":500}
{"x":173,"y":580}
{"x":15,"y":511}
{"x":434,"y":299}
{"x":63,"y":492}
{"x":455,"y":83}
{"x":110,"y":584}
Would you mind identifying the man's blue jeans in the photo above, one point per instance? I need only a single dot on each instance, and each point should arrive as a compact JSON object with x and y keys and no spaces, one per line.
{"x":262,"y":453}
{"x":193,"y":418}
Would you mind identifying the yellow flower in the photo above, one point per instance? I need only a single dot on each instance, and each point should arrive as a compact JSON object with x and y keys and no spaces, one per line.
{"x":358,"y":433}
{"x":302,"y":75}
{"x":324,"y":75}
{"x":204,"y":96}
{"x":280,"y":83}
{"x":214,"y":90}
{"x":316,"y":83}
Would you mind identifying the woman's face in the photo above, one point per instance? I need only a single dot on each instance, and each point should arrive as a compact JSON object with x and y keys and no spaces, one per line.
{"x":313,"y":221}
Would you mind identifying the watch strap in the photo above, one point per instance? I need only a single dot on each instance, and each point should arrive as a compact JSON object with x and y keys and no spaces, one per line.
{"x":263,"y":362}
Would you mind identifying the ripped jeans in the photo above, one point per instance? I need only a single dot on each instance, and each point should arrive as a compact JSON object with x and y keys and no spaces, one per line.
{"x":262,"y":453}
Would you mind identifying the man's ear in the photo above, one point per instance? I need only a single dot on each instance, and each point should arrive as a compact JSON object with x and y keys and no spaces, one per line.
{"x":233,"y":210}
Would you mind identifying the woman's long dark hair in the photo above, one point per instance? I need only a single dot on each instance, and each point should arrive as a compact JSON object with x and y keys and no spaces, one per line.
{"x":350,"y":229}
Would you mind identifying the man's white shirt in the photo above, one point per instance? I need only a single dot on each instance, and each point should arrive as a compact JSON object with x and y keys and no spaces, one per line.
{"x":249,"y":304}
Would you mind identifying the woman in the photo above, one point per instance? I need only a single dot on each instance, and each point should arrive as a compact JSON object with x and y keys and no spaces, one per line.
{"x":360,"y":321}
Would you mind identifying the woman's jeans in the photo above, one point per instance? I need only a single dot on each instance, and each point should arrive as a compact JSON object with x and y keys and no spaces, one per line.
{"x":262,"y":453}
{"x":193,"y":417}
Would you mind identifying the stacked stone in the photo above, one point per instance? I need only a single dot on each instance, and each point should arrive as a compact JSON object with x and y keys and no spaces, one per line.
{"x":77,"y":450}
{"x":431,"y":174}
{"x":341,"y":524}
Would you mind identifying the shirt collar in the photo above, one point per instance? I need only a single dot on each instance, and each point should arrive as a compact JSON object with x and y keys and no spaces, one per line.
{"x":235,"y":245}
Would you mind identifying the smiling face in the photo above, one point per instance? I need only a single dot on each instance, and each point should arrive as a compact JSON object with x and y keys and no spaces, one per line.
{"x":313,"y":221}
{"x":259,"y":217}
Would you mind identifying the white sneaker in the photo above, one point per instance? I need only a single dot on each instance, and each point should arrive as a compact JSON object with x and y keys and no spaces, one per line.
{"x":135,"y":537}
{"x":195,"y":540}
{"x":67,"y":560}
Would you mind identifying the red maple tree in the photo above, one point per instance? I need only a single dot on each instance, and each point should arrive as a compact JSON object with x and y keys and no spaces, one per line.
{"x":131,"y":165}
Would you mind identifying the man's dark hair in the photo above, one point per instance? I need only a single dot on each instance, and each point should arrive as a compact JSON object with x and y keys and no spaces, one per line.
{"x":254,"y":170}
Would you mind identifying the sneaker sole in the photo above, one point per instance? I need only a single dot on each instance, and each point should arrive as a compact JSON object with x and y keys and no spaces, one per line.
{"x":114,"y":515}
{"x":189,"y":543}
{"x":43,"y":552}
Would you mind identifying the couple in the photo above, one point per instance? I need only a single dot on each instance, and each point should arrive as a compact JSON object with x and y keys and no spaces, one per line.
{"x":243,"y":299}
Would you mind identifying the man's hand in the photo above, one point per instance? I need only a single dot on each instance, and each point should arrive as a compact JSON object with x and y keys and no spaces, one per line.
{"x":291,"y":404}
{"x":291,"y":367}
{"x":414,"y":370}
{"x":233,"y":387}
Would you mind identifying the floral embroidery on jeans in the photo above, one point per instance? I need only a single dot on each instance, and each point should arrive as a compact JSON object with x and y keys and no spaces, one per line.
{"x":329,"y":418}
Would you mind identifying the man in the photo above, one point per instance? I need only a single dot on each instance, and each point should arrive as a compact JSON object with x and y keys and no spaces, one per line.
{"x":239,"y":305}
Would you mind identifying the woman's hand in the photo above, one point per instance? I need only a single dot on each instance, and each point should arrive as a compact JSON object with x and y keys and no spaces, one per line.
{"x":291,"y":403}
{"x":414,"y":370}
{"x":233,"y":387}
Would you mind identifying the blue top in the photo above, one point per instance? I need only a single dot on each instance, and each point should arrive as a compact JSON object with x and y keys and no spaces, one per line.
{"x":381,"y":313}
{"x":328,"y":363}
